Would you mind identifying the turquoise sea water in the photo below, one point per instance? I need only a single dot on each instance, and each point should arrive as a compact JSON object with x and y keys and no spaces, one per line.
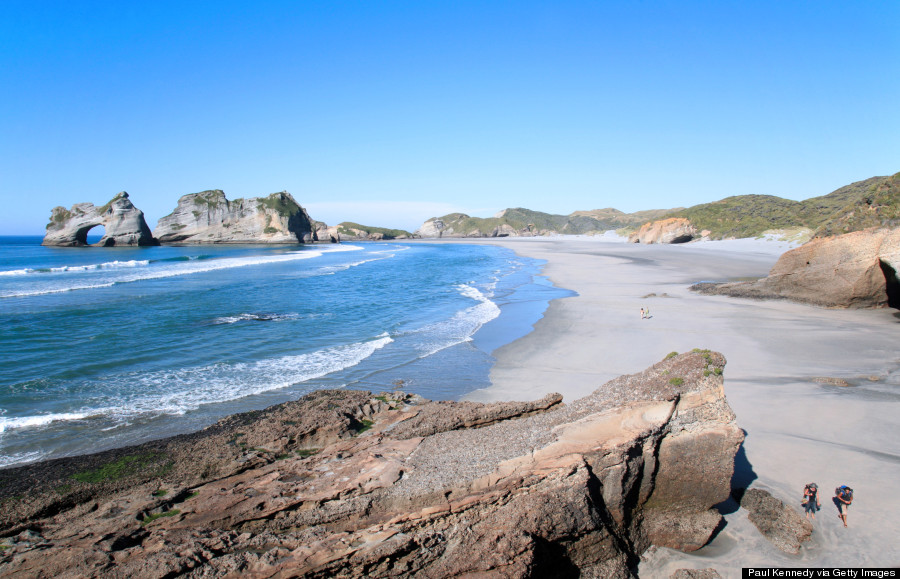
{"x":102,"y":347}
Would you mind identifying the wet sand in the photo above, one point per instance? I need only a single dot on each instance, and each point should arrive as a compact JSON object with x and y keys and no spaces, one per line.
{"x":798,"y":430}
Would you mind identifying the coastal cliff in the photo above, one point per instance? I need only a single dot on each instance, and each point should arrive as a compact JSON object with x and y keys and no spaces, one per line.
{"x":343,"y":483}
{"x":123,"y":223}
{"x":854,"y":270}
{"x":209,"y":217}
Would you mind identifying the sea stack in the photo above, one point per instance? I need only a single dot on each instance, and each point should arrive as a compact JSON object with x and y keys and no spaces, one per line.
{"x":209,"y":217}
{"x":124,"y":224}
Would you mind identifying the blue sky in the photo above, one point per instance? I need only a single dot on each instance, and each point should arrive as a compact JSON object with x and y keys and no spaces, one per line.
{"x":388,"y":113}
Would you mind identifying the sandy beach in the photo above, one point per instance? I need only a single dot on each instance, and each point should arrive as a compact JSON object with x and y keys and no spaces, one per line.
{"x":798,"y":430}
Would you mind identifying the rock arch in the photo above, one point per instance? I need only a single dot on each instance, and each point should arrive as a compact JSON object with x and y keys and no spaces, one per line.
{"x":124,"y":224}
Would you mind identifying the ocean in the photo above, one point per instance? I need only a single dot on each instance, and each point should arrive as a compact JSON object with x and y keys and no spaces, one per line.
{"x":106,"y":347}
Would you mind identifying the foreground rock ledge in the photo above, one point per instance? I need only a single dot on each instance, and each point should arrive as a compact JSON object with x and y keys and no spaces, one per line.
{"x":345,"y":484}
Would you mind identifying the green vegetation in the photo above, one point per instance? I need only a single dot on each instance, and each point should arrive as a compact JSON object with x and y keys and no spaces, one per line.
{"x":209,"y":199}
{"x":281,"y":203}
{"x":150,"y":518}
{"x":383,"y":398}
{"x":60,"y":215}
{"x":671,"y":355}
{"x":366,"y":424}
{"x":676,"y":381}
{"x":270,"y":230}
{"x":869,"y":203}
{"x":149,"y":463}
{"x":160,"y":493}
{"x":191,"y":495}
{"x":579,"y":222}
{"x":305,"y":452}
{"x":347,"y":228}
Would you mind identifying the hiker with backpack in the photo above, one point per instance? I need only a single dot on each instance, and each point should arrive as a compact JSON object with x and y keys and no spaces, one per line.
{"x":843,"y":496}
{"x":811,"y":499}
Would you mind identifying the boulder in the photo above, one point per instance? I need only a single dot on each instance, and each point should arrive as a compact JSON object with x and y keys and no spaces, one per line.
{"x":781,"y":524}
{"x":432,"y":228}
{"x":854,"y":270}
{"x":504,"y":230}
{"x":209,"y":217}
{"x":123,"y":223}
{"x":346,"y":484}
{"x":672,"y":230}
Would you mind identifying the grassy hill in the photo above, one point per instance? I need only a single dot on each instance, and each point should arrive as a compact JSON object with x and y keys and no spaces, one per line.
{"x":519,"y":218}
{"x":856,"y":206}
{"x":875,"y":204}
{"x":868,"y":203}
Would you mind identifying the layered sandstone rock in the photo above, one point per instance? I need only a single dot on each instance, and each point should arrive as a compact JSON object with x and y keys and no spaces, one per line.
{"x":855,"y":270}
{"x":325,"y":234}
{"x":781,"y":524}
{"x":345,"y":484}
{"x":672,"y":230}
{"x":208,"y":217}
{"x":123,"y":223}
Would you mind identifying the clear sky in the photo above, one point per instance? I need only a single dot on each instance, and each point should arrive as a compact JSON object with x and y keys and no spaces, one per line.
{"x":388,"y":113}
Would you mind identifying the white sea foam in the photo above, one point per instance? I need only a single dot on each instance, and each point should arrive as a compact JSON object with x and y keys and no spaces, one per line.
{"x":78,"y":268}
{"x":255,"y":317}
{"x":37,"y":420}
{"x":460,"y":328}
{"x":20,"y":458}
{"x":175,"y":269}
{"x":179,"y":391}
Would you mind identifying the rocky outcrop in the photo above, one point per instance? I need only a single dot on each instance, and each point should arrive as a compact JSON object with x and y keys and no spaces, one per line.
{"x":350,"y":230}
{"x":672,"y":230}
{"x":123,"y":224}
{"x":778,"y":522}
{"x":855,"y":270}
{"x":208,"y":217}
{"x":342,"y":483}
{"x":325,"y":234}
{"x":458,"y":225}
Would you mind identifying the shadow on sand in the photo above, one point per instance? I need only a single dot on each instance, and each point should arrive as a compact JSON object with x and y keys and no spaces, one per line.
{"x":741,"y":479}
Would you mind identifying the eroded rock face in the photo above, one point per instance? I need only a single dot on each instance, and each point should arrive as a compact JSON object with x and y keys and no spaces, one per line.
{"x":326,"y":234}
{"x":208,"y":217}
{"x":781,"y":524}
{"x":523,"y":489}
{"x":855,"y":270}
{"x":123,"y":223}
{"x":672,"y":230}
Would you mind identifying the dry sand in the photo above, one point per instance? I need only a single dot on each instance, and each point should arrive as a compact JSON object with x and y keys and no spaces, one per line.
{"x":798,"y":430}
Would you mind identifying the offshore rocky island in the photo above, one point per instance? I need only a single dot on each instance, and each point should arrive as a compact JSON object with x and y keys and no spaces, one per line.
{"x":344,"y":483}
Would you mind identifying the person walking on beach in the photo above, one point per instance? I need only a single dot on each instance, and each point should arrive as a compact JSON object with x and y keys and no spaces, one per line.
{"x":811,"y":498}
{"x":843,"y":496}
{"x":642,"y":313}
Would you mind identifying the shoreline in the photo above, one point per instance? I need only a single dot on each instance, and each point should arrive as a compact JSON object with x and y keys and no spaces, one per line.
{"x":798,"y":430}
